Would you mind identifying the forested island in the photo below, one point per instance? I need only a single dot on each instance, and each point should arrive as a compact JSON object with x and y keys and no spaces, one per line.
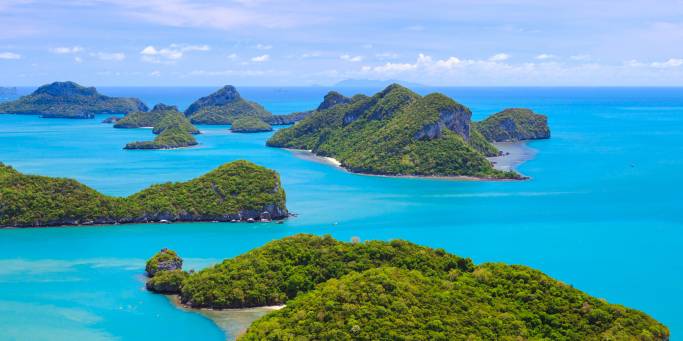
{"x":394,"y":290}
{"x":397,"y":132}
{"x":70,"y":100}
{"x":249,"y":124}
{"x":173,"y":129}
{"x":515,"y":124}
{"x":235,"y":191}
{"x":223,"y":106}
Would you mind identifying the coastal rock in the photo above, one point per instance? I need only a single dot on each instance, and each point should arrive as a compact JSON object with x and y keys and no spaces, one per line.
{"x":164,"y":260}
{"x":70,"y":100}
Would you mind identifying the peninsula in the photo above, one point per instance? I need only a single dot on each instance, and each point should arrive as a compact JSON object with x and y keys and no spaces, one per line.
{"x":397,"y":132}
{"x":378,"y":290}
{"x":70,"y":100}
{"x":235,"y":191}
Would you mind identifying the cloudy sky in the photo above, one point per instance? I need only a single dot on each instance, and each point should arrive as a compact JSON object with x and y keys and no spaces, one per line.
{"x":305,"y":42}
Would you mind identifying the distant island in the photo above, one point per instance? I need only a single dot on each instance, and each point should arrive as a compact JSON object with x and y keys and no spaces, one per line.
{"x":70,"y":100}
{"x":374,"y":83}
{"x":249,"y":124}
{"x":515,"y":124}
{"x":397,"y":132}
{"x":173,"y":129}
{"x":386,"y":290}
{"x":223,"y":106}
{"x":235,"y":191}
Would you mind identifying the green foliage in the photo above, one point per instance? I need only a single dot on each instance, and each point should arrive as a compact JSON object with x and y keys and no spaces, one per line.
{"x":395,"y":132}
{"x":514,"y":125}
{"x":234,"y":191}
{"x":164,"y":260}
{"x":173,"y":128}
{"x":223,"y":106}
{"x":167,"y":282}
{"x":282,"y":269}
{"x":479,"y":142}
{"x":70,"y":100}
{"x":249,"y":124}
{"x":494,"y":302}
{"x":173,"y":137}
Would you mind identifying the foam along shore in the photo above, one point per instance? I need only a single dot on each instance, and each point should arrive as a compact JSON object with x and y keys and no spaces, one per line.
{"x":514,"y":154}
{"x":233,"y":322}
{"x":310,"y":156}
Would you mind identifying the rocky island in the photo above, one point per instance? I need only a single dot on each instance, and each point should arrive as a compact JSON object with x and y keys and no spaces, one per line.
{"x":515,"y":124}
{"x":397,"y":132}
{"x":173,"y":129}
{"x":249,"y":124}
{"x":235,"y":191}
{"x":378,"y":290}
{"x":70,"y":100}
{"x":222,"y":107}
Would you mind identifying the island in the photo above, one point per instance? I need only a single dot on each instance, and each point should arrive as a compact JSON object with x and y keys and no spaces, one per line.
{"x":514,"y":124}
{"x":249,"y":124}
{"x":394,"y":290}
{"x":70,"y":100}
{"x":146,"y":119}
{"x":222,"y":107}
{"x":330,"y":100}
{"x":170,"y":138}
{"x":239,"y":191}
{"x":397,"y":132}
{"x":173,"y":129}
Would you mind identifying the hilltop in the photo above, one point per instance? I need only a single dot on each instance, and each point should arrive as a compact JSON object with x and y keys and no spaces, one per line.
{"x":70,"y":100}
{"x":235,"y":191}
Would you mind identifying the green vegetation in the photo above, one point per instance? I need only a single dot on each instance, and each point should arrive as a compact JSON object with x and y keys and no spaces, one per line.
{"x":150,"y":118}
{"x":249,"y":124}
{"x":173,"y":128}
{"x":396,"y":132}
{"x":223,"y":106}
{"x":236,"y":191}
{"x":169,"y":138}
{"x":399,"y":291}
{"x":514,"y":125}
{"x":164,"y":260}
{"x":70,"y":100}
{"x":494,"y":302}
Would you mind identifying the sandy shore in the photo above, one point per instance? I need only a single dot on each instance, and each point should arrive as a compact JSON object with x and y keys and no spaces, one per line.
{"x":514,"y":154}
{"x":233,"y":322}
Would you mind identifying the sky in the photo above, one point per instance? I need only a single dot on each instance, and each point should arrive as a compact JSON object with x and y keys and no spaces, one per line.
{"x":320,"y":42}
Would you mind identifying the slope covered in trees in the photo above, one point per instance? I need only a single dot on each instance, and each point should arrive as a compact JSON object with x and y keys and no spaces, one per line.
{"x":70,"y":100}
{"x":396,"y":132}
{"x":236,"y":191}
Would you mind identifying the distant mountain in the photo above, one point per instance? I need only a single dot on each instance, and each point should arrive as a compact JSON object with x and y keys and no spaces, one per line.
{"x":70,"y":100}
{"x":373,"y":83}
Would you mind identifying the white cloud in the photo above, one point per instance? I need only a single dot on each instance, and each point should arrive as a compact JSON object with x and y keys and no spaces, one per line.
{"x":106,"y":56}
{"x":545,"y":56}
{"x":313,"y":54}
{"x":78,"y":60}
{"x":66,"y":50}
{"x":9,"y":55}
{"x":155,"y":73}
{"x":261,"y":58}
{"x":672,"y":62}
{"x":263,"y":47}
{"x":386,"y":55}
{"x":350,"y":58}
{"x":169,"y":54}
{"x":580,"y":57}
{"x":232,"y":56}
{"x":499,"y":57}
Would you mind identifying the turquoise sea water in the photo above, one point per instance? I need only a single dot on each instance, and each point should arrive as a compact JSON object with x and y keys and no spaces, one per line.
{"x":603,"y":210}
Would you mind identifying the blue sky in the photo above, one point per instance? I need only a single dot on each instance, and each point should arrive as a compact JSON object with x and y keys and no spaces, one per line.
{"x":263,"y":42}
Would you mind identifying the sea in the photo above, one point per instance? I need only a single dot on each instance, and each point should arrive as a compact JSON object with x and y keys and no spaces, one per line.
{"x":602,"y":210}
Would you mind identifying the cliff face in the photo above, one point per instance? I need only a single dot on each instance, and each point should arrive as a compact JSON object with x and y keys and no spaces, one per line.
{"x":514,"y":125}
{"x":70,"y":100}
{"x":236,"y":191}
{"x":396,"y":132}
{"x":223,"y":106}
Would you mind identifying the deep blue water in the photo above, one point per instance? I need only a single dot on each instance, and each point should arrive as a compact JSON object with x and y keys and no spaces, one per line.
{"x":603,"y":210}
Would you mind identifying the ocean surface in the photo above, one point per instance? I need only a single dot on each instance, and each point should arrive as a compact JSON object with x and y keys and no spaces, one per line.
{"x":602,"y":211}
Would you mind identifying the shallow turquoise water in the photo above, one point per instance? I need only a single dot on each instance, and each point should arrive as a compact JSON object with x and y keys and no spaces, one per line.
{"x":602,"y":211}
